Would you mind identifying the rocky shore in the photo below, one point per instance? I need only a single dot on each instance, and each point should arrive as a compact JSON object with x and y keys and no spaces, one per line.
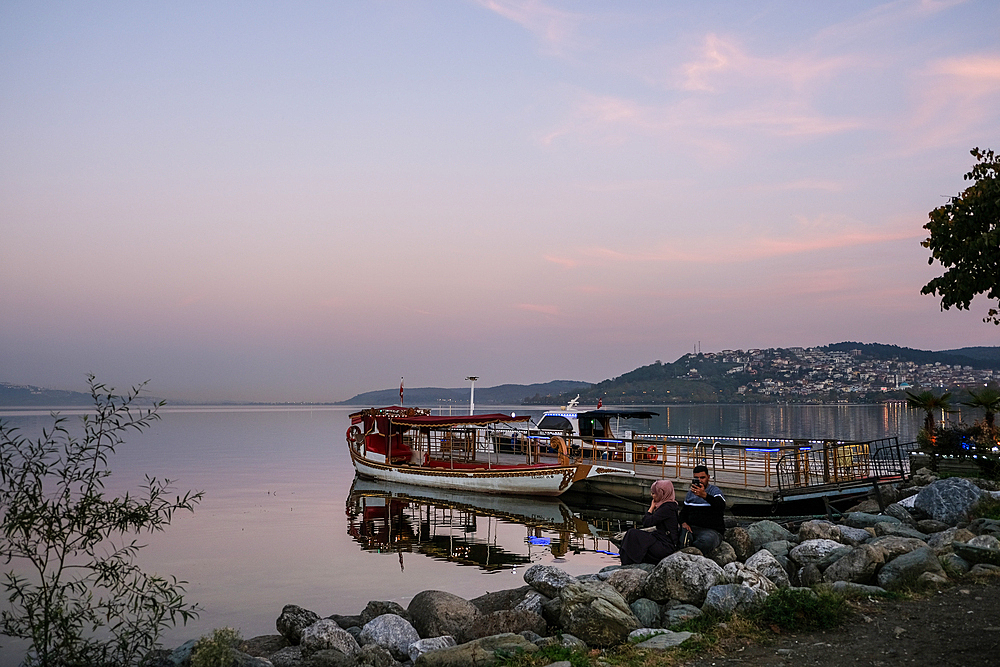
{"x":922,"y":538}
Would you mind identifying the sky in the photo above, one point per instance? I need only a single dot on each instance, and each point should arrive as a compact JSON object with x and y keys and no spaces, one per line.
{"x":302,"y":201}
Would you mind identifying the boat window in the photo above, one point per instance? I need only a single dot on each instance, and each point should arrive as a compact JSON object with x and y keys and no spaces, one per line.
{"x":555,"y":423}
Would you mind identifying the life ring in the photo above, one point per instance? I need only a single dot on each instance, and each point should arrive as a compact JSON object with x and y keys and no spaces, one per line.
{"x":559,"y":444}
{"x":354,"y":435}
{"x":652,"y":453}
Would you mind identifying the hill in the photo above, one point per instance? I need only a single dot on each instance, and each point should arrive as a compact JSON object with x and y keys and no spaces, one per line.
{"x":504,"y":394}
{"x":23,"y":395}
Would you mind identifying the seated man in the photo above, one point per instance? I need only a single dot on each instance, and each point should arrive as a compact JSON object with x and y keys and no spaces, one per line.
{"x":702,"y":512}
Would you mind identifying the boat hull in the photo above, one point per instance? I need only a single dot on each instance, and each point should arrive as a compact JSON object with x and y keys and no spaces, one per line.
{"x":541,"y":480}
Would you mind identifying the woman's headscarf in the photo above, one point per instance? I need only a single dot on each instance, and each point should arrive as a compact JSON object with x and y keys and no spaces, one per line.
{"x":663,"y":492}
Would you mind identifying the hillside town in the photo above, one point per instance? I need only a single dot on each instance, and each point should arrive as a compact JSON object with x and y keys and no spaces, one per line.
{"x":801,"y":371}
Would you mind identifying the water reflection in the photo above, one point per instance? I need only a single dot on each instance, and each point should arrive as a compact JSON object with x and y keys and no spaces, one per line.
{"x":481,"y":530}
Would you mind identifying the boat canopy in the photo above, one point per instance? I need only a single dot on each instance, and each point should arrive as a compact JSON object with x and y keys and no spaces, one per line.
{"x":446,"y":421}
{"x":624,"y":414}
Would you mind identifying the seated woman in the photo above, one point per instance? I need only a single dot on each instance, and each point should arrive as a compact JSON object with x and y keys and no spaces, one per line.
{"x":652,"y":546}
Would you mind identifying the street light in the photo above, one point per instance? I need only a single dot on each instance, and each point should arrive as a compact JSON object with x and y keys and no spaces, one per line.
{"x":472,"y":393}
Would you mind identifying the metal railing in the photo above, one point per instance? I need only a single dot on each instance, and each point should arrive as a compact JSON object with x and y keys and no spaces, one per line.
{"x":836,"y":465}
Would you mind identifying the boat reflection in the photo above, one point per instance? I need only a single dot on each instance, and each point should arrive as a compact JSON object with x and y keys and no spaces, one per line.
{"x":481,"y":530}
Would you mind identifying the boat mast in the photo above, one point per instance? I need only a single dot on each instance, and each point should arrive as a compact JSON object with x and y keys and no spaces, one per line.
{"x":472,"y":393}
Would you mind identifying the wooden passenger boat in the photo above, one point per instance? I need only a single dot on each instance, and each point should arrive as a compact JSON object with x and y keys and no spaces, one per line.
{"x":411,"y":446}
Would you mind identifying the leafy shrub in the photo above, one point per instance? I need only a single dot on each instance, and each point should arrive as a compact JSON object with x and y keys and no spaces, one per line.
{"x":217,"y":650}
{"x":76,"y":595}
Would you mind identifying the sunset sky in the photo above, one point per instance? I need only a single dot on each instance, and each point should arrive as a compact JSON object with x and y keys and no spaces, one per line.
{"x":301,"y":201}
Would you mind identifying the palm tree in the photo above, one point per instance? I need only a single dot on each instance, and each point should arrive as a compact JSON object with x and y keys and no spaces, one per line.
{"x":988,"y":399}
{"x":929,"y":403}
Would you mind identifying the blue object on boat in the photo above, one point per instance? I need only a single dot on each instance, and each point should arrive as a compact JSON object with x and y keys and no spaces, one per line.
{"x":545,"y":541}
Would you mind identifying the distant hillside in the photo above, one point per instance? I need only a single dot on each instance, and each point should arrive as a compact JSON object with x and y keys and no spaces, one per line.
{"x":21,"y":395}
{"x":977,"y":357}
{"x":504,"y":394}
{"x":987,"y":354}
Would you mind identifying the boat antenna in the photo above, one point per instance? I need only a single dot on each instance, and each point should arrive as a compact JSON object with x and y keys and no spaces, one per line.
{"x":472,"y":393}
{"x":572,"y":404}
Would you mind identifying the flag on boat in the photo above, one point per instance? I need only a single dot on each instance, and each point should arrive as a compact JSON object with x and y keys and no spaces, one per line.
{"x":600,"y":402}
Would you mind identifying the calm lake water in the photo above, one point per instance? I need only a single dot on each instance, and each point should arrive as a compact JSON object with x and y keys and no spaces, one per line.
{"x":283,"y":523}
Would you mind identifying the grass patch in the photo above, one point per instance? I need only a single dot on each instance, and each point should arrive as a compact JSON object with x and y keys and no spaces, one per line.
{"x":988,"y":507}
{"x":790,"y":610}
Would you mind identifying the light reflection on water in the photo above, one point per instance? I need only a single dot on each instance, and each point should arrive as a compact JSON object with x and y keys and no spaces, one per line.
{"x":280,"y":524}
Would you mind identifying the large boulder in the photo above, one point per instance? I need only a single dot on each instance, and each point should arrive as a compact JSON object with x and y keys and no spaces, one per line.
{"x":867,"y":520}
{"x":948,"y":500}
{"x":730,"y":598}
{"x":392,"y":632}
{"x":853,"y":536}
{"x":819,"y":529}
{"x":723,"y":554}
{"x":768,"y":565}
{"x":859,"y":566}
{"x":658,"y":640}
{"x":421,"y":646}
{"x":684,"y":577}
{"x":908,"y":568}
{"x":738,"y":573}
{"x":505,"y":599}
{"x":376,"y":608}
{"x":629,"y":582}
{"x":739,"y":539}
{"x":502,"y":621}
{"x":596,"y":613}
{"x":293,"y":620}
{"x":325,"y":634}
{"x":895,"y":546}
{"x":436,"y":613}
{"x":547,"y":579}
{"x":480,"y":653}
{"x":978,"y":553}
{"x":647,"y":612}
{"x":814,"y":551}
{"x":678,"y":613}
{"x":941,"y":541}
{"x":898,"y":529}
{"x":762,"y":532}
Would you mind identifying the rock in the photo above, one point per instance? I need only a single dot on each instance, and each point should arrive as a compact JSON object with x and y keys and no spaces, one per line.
{"x":552,"y":610}
{"x":931,"y":526}
{"x":948,"y":500}
{"x":377,"y":608}
{"x":908,"y":568}
{"x":723,"y":554}
{"x":933,"y":580}
{"x":739,"y":539}
{"x":659,"y":640}
{"x":532,"y":602}
{"x":941,"y":541}
{"x":678,"y":613}
{"x":895,"y":546}
{"x":630,"y":583}
{"x":849,"y":588}
{"x":730,"y":598}
{"x":854,"y":536}
{"x":809,"y":575}
{"x":547,"y":579}
{"x":985,"y":541}
{"x":866,"y":520}
{"x":953,"y":563}
{"x":501,"y":622}
{"x":293,"y":620}
{"x":779,"y":547}
{"x":898,"y":529}
{"x":762,"y":532}
{"x":976,"y":554}
{"x":264,"y":645}
{"x":813,"y":551}
{"x":392,"y":632}
{"x":766,"y":564}
{"x":984,"y":570}
{"x":858,"y":567}
{"x":347,"y":621}
{"x":923,"y":477}
{"x":899,"y":512}
{"x":326,"y":634}
{"x":421,"y":646}
{"x":481,"y":652}
{"x":596,"y":613}
{"x":373,"y":655}
{"x":436,"y":613}
{"x":290,"y":656}
{"x":647,"y":612}
{"x":819,"y":530}
{"x":506,"y":599}
{"x":738,"y":573}
{"x":984,"y":526}
{"x":684,"y":577}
